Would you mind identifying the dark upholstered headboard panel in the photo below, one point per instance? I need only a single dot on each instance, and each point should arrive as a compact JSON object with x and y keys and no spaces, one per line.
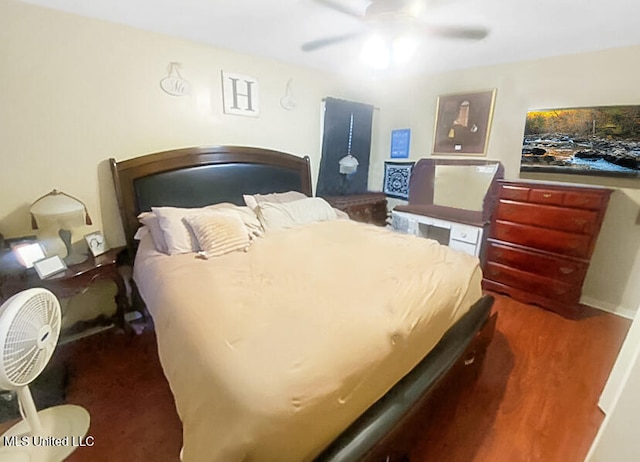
{"x":195,"y":177}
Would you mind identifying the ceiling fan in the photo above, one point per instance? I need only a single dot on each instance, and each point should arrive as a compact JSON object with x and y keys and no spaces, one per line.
{"x":393,"y":18}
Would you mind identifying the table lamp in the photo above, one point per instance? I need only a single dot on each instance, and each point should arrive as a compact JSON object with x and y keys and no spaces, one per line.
{"x":55,"y":215}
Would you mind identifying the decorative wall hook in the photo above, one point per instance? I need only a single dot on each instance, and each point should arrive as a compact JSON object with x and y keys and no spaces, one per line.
{"x":173,"y":83}
{"x":288,"y":101}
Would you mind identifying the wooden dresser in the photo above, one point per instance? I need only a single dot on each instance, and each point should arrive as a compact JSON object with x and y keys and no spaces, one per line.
{"x":366,"y":208}
{"x":540,"y":242}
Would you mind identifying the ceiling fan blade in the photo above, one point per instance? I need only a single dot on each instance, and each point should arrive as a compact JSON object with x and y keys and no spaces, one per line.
{"x":457,"y":32}
{"x":337,"y":6}
{"x":324,"y":42}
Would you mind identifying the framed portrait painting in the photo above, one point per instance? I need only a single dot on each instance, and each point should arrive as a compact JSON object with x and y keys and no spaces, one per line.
{"x":463,"y":122}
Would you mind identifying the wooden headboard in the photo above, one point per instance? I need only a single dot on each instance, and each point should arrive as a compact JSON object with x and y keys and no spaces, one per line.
{"x":199,"y":176}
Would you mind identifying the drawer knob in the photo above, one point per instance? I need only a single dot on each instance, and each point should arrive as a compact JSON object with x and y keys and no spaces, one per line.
{"x":463,"y":235}
{"x":470,"y":358}
{"x":494,"y":272}
{"x":567,"y":269}
{"x":547,"y":195}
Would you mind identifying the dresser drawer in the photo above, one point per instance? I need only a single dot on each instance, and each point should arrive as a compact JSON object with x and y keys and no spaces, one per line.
{"x":548,"y":216}
{"x":550,"y":240}
{"x":518,"y":193}
{"x":566,"y":270}
{"x":533,"y":283}
{"x":546,"y":196}
{"x":584,"y":200}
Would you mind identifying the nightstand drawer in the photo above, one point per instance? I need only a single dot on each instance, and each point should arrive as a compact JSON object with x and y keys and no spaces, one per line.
{"x":365,"y":208}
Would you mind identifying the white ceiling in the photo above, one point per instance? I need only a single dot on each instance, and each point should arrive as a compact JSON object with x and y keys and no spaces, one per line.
{"x":520,"y":29}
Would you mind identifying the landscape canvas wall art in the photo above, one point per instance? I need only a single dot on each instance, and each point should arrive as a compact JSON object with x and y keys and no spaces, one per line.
{"x":601,"y":140}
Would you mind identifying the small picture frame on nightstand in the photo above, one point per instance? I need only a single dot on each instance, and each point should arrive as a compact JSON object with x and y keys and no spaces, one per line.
{"x":96,"y":243}
{"x":49,"y":266}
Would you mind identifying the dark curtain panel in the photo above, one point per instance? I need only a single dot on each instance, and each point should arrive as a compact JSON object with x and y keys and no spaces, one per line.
{"x":335,"y":144}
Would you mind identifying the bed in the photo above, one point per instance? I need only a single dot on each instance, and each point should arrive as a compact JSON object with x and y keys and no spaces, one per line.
{"x":314,"y":342}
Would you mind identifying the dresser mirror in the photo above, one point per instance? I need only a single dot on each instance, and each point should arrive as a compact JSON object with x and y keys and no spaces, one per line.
{"x":463,"y":186}
{"x":454,"y":186}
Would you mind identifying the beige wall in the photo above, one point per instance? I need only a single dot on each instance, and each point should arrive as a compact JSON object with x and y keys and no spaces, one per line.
{"x":601,"y":78}
{"x":76,"y":92}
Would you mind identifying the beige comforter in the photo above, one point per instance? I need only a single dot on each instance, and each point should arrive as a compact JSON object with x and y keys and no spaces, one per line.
{"x":271,"y":353}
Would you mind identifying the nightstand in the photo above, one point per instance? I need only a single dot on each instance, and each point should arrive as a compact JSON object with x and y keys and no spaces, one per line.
{"x":366,"y":208}
{"x":76,"y":279}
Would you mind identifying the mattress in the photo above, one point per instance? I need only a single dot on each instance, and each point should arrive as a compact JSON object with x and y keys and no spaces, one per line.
{"x":271,"y":353}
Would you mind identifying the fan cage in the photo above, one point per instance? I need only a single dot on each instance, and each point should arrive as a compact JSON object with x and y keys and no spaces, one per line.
{"x":28,"y":343}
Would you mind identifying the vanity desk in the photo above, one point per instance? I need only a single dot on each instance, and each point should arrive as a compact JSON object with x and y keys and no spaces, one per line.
{"x":451,"y":201}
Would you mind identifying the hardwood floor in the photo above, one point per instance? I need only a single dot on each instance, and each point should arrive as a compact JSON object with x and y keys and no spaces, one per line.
{"x":535,"y":398}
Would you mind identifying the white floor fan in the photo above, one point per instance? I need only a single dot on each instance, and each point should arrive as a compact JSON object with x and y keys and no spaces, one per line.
{"x":29,"y":330}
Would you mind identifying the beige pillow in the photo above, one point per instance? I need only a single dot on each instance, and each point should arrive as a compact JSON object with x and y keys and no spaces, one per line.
{"x":308,"y":210}
{"x":246,"y":214}
{"x":218,"y":233}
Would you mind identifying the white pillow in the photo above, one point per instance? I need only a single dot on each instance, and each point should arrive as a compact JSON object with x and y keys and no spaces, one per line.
{"x":177,"y":235}
{"x":279,"y":198}
{"x":218,"y":232}
{"x":150,"y":221}
{"x":275,"y":216}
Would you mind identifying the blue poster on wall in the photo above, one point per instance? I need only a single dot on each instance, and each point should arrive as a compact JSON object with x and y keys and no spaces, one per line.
{"x":400,"y":141}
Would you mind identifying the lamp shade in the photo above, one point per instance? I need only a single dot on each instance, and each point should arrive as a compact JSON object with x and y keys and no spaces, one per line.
{"x":55,"y":215}
{"x":59,"y":207}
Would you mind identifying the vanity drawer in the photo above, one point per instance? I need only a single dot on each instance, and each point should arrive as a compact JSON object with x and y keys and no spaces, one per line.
{"x":465,"y":233}
{"x":532,"y":283}
{"x":564,"y":269}
{"x":548,"y":216}
{"x":465,"y":247}
{"x":550,"y":240}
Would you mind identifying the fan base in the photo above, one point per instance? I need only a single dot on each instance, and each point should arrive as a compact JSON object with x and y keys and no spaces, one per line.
{"x":63,"y":430}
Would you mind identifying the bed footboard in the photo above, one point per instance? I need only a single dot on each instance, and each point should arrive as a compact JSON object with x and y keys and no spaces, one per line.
{"x":368,"y":438}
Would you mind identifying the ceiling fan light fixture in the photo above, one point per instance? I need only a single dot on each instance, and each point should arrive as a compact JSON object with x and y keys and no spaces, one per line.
{"x":403,"y":48}
{"x":380,"y":53}
{"x":376,"y":52}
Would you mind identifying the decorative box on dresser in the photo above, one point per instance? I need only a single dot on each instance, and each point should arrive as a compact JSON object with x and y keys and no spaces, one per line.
{"x":367,"y":208}
{"x":540,"y":242}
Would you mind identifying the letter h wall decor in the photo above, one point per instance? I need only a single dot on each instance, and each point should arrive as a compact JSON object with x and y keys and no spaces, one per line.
{"x":240,"y":95}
